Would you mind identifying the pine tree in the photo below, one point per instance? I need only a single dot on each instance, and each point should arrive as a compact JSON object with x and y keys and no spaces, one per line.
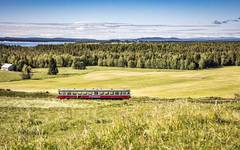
{"x":78,"y":64}
{"x":148,"y":63}
{"x":192,"y":66}
{"x":110,"y":62}
{"x":131,"y":64}
{"x":26,"y":72}
{"x":53,"y":70}
{"x":121,"y":62}
{"x":20,"y":64}
{"x":60,"y":61}
{"x":100,"y":62}
{"x":140,"y":63}
{"x":202,"y":64}
{"x":182,"y":64}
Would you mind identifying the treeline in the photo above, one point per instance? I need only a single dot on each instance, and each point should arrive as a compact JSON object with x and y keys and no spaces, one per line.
{"x":173,"y":55}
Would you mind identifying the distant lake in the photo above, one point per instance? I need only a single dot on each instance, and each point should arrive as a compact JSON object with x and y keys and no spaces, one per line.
{"x":30,"y":44}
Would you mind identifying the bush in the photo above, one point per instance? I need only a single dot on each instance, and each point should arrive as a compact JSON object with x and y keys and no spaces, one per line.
{"x":10,"y":93}
{"x":237,"y":96}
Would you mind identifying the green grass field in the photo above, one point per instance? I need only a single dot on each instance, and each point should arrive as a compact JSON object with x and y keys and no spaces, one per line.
{"x":220,"y":82}
{"x":6,"y":76}
{"x":40,"y":121}
{"x":140,"y":123}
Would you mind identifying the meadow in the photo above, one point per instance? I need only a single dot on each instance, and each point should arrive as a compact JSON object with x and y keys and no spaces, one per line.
{"x":6,"y":76}
{"x":31,"y":120}
{"x":140,"y":123}
{"x":219,"y":82}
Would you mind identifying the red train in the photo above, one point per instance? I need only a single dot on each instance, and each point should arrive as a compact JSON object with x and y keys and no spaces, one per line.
{"x":93,"y":94}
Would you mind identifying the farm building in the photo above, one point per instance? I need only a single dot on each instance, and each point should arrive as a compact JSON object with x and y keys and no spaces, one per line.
{"x":7,"y":67}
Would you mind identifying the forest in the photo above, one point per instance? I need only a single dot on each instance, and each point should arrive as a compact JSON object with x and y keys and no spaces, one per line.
{"x":166,"y":55}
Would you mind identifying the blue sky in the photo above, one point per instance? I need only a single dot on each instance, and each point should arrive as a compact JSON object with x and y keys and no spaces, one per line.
{"x":134,"y":18}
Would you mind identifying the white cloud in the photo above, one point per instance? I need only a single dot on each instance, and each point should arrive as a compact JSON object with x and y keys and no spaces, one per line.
{"x":115,"y":30}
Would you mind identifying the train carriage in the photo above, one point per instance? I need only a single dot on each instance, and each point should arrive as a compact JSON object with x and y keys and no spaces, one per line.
{"x":94,"y":94}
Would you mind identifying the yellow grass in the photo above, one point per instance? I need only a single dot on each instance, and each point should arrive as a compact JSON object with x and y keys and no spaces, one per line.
{"x":222,"y":82}
{"x":9,"y":76}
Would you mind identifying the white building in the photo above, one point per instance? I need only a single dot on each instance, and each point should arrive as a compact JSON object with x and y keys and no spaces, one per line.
{"x":7,"y":67}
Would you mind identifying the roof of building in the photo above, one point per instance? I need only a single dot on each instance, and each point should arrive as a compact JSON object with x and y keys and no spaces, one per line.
{"x":94,"y":90}
{"x":6,"y":65}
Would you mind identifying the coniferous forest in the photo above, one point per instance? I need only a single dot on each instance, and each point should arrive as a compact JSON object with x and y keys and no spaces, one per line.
{"x":172,"y":55}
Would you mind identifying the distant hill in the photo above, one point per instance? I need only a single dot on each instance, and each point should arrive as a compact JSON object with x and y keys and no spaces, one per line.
{"x":144,"y":39}
{"x":36,"y":39}
{"x":159,"y":39}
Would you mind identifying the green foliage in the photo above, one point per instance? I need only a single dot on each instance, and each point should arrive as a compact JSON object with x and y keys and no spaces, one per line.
{"x":140,"y":63}
{"x":202,"y":63}
{"x":26,"y":72}
{"x":78,"y":63}
{"x":174,"y":55}
{"x":53,"y":70}
{"x":131,"y":64}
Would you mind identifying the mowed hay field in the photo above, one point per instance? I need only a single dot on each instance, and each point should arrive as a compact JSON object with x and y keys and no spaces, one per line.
{"x":6,"y":76}
{"x":219,"y":82}
{"x":139,"y":123}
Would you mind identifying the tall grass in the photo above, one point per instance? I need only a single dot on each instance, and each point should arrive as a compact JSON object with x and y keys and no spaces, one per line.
{"x":133,"y":124}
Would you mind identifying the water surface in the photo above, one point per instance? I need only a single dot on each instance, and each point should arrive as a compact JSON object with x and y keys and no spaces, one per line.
{"x":30,"y":44}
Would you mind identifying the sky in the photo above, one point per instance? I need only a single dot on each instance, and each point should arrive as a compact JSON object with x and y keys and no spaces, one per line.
{"x":111,"y":19}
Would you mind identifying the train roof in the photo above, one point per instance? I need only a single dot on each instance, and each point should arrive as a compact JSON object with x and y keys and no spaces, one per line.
{"x":93,"y":90}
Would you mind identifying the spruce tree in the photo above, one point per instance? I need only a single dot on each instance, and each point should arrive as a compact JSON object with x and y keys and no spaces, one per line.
{"x":53,"y":70}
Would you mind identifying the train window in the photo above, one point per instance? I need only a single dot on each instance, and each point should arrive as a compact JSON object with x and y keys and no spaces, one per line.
{"x":116,"y":93}
{"x":111,"y":93}
{"x":95,"y":93}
